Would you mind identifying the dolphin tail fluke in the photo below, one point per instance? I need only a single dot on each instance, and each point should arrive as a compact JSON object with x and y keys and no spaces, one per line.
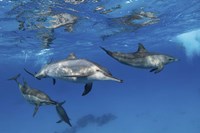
{"x":15,"y":77}
{"x":107,"y":51}
{"x":30,"y":73}
{"x":61,"y":103}
{"x":67,"y":123}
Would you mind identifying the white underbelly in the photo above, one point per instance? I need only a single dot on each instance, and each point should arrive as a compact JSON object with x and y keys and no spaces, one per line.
{"x":34,"y":100}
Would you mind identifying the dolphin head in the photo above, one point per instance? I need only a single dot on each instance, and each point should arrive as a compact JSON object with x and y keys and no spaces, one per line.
{"x":169,"y":59}
{"x":106,"y":75}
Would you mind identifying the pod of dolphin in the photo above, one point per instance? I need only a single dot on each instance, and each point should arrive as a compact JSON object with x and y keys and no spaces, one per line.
{"x":78,"y":70}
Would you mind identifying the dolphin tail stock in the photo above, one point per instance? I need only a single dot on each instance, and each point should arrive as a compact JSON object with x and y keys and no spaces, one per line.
{"x":58,"y":103}
{"x":31,"y":73}
{"x":15,"y":77}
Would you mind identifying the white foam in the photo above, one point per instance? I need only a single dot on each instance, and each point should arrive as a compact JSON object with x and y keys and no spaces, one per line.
{"x":191,"y":42}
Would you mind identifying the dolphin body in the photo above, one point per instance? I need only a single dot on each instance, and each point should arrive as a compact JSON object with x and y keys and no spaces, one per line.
{"x":62,"y":114}
{"x":33,"y":96}
{"x":142,"y":59}
{"x":75,"y":70}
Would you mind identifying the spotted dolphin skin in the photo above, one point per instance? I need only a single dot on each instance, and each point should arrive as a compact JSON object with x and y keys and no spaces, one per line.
{"x":62,"y":114}
{"x":75,"y":70}
{"x":33,"y":96}
{"x":142,"y":59}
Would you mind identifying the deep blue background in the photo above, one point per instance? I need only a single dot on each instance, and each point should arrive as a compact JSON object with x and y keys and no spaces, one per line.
{"x":167,"y":102}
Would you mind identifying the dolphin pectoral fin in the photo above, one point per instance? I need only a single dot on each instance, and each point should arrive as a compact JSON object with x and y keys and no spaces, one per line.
{"x":159,"y":68}
{"x":153,"y":69}
{"x":59,"y":121}
{"x":54,"y":81}
{"x":29,"y":72}
{"x":35,"y":110}
{"x":87,"y":89}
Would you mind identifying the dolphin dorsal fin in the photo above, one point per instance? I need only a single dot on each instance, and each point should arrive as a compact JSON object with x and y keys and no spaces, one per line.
{"x":71,"y":56}
{"x":141,"y":48}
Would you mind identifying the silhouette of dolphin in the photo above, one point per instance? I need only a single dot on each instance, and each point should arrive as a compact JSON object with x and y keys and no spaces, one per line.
{"x":142,"y":59}
{"x":75,"y":70}
{"x":33,"y":96}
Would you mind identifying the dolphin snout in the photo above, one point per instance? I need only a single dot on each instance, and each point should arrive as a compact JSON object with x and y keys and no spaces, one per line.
{"x":176,"y":59}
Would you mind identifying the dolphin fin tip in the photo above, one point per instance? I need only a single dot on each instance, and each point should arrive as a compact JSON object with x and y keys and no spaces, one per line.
{"x":69,"y":124}
{"x":15,"y":77}
{"x":87,"y":89}
{"x":59,"y":121}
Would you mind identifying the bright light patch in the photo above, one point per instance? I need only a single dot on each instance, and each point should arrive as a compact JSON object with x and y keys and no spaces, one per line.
{"x":40,"y":58}
{"x":129,"y":1}
{"x":191,"y":42}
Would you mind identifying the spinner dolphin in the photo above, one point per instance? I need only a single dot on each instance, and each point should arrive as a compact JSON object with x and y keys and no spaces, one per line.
{"x":33,"y":96}
{"x":75,"y":70}
{"x":142,"y":59}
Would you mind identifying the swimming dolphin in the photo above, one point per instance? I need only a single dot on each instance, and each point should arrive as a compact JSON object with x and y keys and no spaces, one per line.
{"x":62,"y":114}
{"x":75,"y":70}
{"x":33,"y":96}
{"x":142,"y":59}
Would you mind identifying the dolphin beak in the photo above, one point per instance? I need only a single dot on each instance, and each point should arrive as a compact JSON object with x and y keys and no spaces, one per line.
{"x":116,"y":79}
{"x":176,"y":59}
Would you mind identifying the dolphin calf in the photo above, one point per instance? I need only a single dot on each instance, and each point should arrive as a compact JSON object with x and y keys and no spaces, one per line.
{"x":142,"y":59}
{"x":33,"y":96}
{"x":62,"y":114}
{"x":75,"y":70}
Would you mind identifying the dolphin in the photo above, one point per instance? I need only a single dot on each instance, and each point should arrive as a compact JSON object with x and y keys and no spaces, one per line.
{"x":62,"y":114}
{"x":75,"y":70}
{"x":142,"y":58}
{"x":33,"y":96}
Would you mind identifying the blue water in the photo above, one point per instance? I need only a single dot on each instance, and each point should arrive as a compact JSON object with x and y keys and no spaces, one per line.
{"x":167,"y":102}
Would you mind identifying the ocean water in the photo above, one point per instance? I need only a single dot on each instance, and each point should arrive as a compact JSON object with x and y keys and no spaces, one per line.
{"x":36,"y":32}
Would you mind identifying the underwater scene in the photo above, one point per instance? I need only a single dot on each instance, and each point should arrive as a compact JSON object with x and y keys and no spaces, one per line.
{"x":100,"y":66}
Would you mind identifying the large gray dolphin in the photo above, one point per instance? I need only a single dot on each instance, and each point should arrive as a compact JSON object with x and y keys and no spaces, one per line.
{"x":33,"y":96}
{"x":142,"y":59}
{"x":75,"y":70}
